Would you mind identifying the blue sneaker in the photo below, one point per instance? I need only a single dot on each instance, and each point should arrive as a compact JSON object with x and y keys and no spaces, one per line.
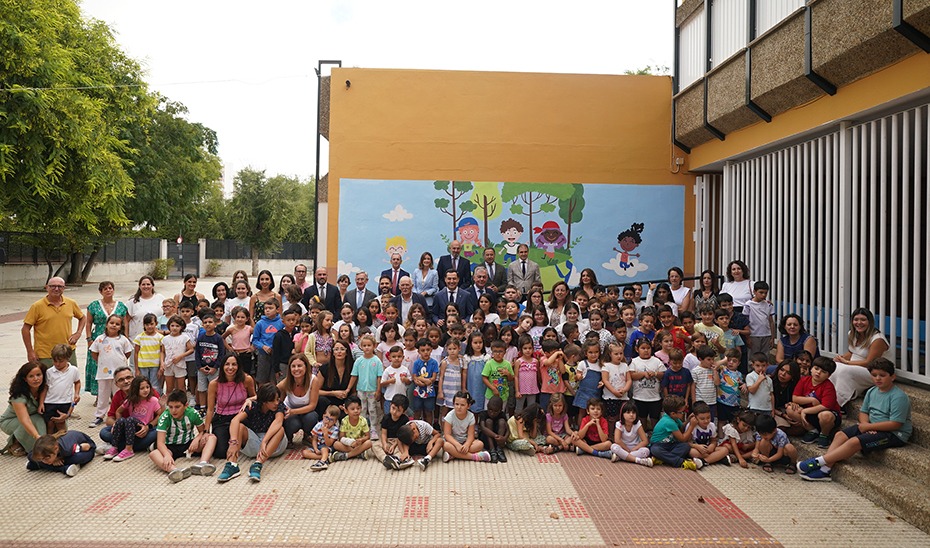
{"x":808,"y":466}
{"x":816,"y":475}
{"x":255,"y":472}
{"x":230,"y":471}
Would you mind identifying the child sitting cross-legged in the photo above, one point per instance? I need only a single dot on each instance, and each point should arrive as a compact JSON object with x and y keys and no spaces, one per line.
{"x":631,"y":444}
{"x":525,"y":434}
{"x":884,"y":423}
{"x":740,"y":438}
{"x":668,"y":443}
{"x":322,"y":438}
{"x":459,"y":429}
{"x":773,"y":447}
{"x":591,"y":436}
{"x":181,"y":431}
{"x":354,"y":433}
{"x":704,"y":446}
{"x":259,"y":430}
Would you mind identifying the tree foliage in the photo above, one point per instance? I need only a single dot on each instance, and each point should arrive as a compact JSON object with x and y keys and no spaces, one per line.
{"x":533,"y":198}
{"x":455,"y":190}
{"x":488,"y":205}
{"x":263,"y":210}
{"x":571,"y":209}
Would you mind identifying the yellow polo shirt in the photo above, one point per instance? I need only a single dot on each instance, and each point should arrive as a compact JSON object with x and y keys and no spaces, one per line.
{"x":51,"y":325}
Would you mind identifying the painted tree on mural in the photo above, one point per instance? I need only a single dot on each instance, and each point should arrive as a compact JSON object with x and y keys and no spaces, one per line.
{"x":533,"y":198}
{"x":571,"y":210}
{"x":450,"y":206}
{"x":488,"y":205}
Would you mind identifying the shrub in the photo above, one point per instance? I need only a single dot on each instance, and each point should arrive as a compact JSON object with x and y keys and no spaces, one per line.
{"x":161,"y":268}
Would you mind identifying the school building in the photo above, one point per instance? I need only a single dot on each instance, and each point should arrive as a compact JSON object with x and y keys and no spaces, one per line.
{"x":793,"y":135}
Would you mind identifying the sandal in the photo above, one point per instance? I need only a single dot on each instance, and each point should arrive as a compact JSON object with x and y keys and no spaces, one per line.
{"x":548,"y":450}
{"x":767,"y":467}
{"x":791,"y":469}
{"x":17,"y":451}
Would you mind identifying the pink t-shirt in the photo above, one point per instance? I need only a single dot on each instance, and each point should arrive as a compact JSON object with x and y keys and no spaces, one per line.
{"x":145,"y":410}
{"x":557,"y":423}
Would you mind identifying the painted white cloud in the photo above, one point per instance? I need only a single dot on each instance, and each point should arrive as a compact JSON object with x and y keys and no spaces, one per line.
{"x":398,"y":214}
{"x":614,"y":266}
{"x":346,"y":268}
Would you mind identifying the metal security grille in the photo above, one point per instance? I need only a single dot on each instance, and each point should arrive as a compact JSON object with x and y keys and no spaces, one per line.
{"x":832,"y":224}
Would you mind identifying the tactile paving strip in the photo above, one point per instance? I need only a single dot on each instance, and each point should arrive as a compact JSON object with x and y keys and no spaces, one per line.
{"x":571,"y":507}
{"x":726,"y":507}
{"x":107,"y":503}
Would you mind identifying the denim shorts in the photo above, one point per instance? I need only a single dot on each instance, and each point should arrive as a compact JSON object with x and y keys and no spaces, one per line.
{"x":423,"y":404}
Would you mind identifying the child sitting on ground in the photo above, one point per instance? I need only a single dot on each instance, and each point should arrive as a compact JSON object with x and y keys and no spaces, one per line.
{"x":814,"y":403}
{"x":704,"y":445}
{"x":459,"y":429}
{"x":668,"y":443}
{"x":64,"y":451}
{"x":178,"y":434}
{"x":259,"y":430}
{"x":390,"y":425}
{"x":525,"y":434}
{"x":417,"y":438}
{"x":354,"y":432}
{"x":134,"y":418}
{"x":631,"y":444}
{"x":558,"y":425}
{"x":592,"y":435}
{"x":62,"y":391}
{"x":740,"y":438}
{"x":493,"y":429}
{"x":322,"y":438}
{"x":884,"y":423}
{"x":773,"y":447}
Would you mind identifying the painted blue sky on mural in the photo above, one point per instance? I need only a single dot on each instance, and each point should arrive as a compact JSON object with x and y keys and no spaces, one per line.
{"x":623,"y":232}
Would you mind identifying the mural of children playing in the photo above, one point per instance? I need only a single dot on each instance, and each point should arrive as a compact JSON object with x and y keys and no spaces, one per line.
{"x":629,"y":240}
{"x":469,"y":235}
{"x":550,"y":238}
{"x":511,"y":231}
{"x":397,"y":244}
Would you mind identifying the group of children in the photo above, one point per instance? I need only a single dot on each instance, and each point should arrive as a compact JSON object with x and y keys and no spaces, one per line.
{"x":609,"y":384}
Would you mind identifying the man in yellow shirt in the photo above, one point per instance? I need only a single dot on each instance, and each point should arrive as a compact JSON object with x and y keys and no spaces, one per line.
{"x":52,"y":317}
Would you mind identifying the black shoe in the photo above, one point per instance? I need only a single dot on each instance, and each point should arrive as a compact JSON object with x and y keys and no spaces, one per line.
{"x":811,"y":436}
{"x":500,"y":455}
{"x":493,"y":453}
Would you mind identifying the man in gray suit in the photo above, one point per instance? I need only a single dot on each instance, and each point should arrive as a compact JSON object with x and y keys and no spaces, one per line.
{"x":497,"y":274}
{"x":523,"y":272}
{"x":360,"y":296}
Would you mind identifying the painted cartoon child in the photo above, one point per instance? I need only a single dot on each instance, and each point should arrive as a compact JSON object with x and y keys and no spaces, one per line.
{"x":511,"y":231}
{"x":397,"y":244}
{"x":629,"y":240}
{"x":469,"y":236}
{"x":550,"y":238}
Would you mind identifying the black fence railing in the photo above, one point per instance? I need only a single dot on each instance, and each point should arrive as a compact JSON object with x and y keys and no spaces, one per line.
{"x":233,"y":250}
{"x":29,"y":248}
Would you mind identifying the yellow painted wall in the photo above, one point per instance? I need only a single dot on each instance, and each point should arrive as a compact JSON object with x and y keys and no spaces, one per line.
{"x":495,"y":126}
{"x":908,"y":76}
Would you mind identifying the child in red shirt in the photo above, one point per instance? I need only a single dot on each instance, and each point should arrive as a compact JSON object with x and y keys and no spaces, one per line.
{"x":814,"y":403}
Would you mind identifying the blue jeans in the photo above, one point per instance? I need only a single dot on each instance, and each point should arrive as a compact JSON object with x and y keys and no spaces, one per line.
{"x":672,"y":453}
{"x":140,"y":444}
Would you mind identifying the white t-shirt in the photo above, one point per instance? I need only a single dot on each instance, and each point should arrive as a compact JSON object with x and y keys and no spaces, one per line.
{"x":680,"y":294}
{"x":647,"y":389}
{"x":740,"y":291}
{"x":460,"y":426}
{"x":174,"y":346}
{"x":138,"y":310}
{"x":691,"y":361}
{"x":730,"y":432}
{"x":759,"y":314}
{"x":233,"y":303}
{"x":398,"y":387}
{"x":111,"y":354}
{"x":762,"y":399}
{"x":61,"y":384}
{"x":851,"y":380}
{"x":704,"y":388}
{"x":629,"y":438}
{"x":616,"y":374}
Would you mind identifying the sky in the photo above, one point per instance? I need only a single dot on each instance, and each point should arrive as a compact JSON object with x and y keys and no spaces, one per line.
{"x":246,"y":69}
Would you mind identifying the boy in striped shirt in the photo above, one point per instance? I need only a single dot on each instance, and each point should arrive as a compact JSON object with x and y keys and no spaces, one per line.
{"x":181,"y":431}
{"x":149,"y":354}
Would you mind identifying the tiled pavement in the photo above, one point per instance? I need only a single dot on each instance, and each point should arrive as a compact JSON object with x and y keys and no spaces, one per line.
{"x":562,"y":501}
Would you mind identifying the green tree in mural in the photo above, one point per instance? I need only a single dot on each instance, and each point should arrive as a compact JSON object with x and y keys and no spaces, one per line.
{"x":488,"y":205}
{"x":451,"y":207}
{"x":571,"y":210}
{"x":533,"y":198}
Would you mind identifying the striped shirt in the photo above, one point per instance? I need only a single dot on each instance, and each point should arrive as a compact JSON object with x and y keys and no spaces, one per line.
{"x":149,"y":349}
{"x":179,"y":431}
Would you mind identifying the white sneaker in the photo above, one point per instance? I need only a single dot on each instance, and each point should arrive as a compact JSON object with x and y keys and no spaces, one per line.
{"x":72,"y":470}
{"x":645,"y":461}
{"x":103,"y":448}
{"x":614,"y":457}
{"x":203,"y":469}
{"x":446,"y":457}
{"x":699,"y":463}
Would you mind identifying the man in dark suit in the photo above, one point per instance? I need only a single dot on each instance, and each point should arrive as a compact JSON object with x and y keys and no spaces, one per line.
{"x":452,"y":293}
{"x":454,"y":262}
{"x":481,"y":286}
{"x":327,"y":293}
{"x":407,"y":298}
{"x":497,"y":274}
{"x":395,"y":273}
{"x":361,"y":295}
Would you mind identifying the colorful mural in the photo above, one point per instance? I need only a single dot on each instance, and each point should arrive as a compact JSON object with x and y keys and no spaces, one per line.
{"x":623,"y":232}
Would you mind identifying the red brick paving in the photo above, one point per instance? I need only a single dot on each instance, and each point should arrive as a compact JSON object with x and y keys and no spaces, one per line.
{"x":416,"y":507}
{"x":634,"y":504}
{"x":14,"y":317}
{"x":107,"y":503}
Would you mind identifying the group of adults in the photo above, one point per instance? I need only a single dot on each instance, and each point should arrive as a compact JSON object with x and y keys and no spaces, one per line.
{"x":51,"y":320}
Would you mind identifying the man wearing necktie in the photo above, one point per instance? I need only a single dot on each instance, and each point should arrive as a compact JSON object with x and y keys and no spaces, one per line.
{"x":327,"y":293}
{"x":497,"y":274}
{"x":523,"y":272}
{"x":456,"y":263}
{"x":481,"y":286}
{"x":360,"y":296}
{"x":395,"y":273}
{"x":452,"y":293}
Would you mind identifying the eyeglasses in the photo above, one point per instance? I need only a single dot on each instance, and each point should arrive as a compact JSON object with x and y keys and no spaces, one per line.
{"x":56,"y":287}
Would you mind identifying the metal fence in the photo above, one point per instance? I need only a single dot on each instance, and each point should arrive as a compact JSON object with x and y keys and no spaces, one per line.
{"x":233,"y":250}
{"x":27,"y":248}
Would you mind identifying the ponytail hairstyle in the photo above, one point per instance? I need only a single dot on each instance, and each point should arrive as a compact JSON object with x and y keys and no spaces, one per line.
{"x":465,"y":396}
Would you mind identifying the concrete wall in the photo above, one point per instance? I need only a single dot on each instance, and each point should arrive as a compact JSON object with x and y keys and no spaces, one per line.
{"x":277,"y":267}
{"x":19,"y":276}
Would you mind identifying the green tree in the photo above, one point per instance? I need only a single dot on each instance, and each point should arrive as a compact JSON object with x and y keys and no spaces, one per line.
{"x":571,"y":210}
{"x":450,"y":206}
{"x":264,"y":211}
{"x":305,"y":228}
{"x":533,"y":198}
{"x":66,"y":94}
{"x":650,"y":70}
{"x":488,"y":205}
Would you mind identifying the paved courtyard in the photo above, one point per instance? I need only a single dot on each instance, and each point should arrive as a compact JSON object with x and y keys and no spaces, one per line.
{"x":563,"y":500}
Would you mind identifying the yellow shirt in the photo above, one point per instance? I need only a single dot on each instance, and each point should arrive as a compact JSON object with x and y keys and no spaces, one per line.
{"x":51,"y":325}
